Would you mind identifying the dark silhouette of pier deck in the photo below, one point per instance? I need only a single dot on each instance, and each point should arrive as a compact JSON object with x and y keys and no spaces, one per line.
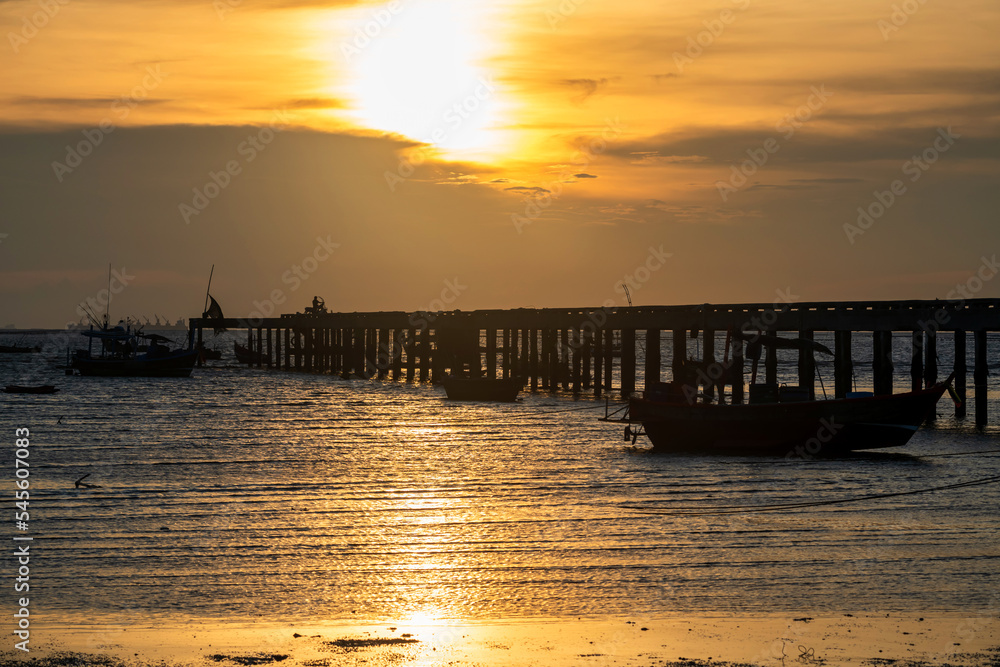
{"x":579,"y":349}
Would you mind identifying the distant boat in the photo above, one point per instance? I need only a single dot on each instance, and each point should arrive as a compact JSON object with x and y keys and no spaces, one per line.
{"x":118,"y":355}
{"x":41,"y":389}
{"x":245,"y":355}
{"x":15,"y":349}
{"x":483,"y":389}
{"x":209,"y":354}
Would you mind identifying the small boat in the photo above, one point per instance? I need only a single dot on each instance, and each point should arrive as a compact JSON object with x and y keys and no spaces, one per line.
{"x":777,"y":420}
{"x":482,"y":389}
{"x":16,"y":349}
{"x":118,"y":355}
{"x":40,"y":389}
{"x":782,"y":423}
{"x":245,"y":355}
{"x":209,"y":353}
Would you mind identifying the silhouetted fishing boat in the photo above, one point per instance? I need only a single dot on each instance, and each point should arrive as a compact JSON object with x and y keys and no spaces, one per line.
{"x":16,"y":349}
{"x":209,"y":353}
{"x":778,"y":419}
{"x":482,"y":389}
{"x":40,"y":389}
{"x":245,"y":355}
{"x":118,"y":355}
{"x":816,"y":427}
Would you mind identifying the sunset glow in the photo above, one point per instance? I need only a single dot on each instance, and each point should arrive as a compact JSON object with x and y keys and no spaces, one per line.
{"x":603,"y":129}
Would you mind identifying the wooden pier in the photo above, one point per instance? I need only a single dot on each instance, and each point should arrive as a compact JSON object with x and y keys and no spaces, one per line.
{"x":586,"y":349}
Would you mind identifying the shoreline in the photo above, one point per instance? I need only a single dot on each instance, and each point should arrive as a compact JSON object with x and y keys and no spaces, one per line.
{"x":774,"y":639}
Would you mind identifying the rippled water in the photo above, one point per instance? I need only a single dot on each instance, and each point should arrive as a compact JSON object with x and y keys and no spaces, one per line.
{"x":247,"y":494}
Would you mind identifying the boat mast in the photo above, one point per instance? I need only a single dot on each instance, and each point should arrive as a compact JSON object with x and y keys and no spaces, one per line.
{"x":107,"y":308}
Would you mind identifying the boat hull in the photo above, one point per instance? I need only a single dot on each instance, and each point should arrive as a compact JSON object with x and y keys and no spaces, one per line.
{"x":178,"y":364}
{"x":19,"y":389}
{"x":483,"y":389}
{"x":809,"y":428}
{"x":245,"y":356}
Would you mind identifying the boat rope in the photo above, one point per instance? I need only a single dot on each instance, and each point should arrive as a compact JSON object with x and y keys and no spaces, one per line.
{"x":982,"y":451}
{"x":739,"y":509}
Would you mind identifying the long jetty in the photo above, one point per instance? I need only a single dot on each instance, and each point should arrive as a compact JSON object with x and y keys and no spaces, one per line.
{"x":579,"y":349}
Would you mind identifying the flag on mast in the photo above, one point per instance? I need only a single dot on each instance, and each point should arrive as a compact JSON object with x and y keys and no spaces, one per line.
{"x":214,"y":312}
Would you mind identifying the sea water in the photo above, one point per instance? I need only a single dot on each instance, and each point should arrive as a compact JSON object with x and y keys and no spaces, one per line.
{"x":247,"y":494}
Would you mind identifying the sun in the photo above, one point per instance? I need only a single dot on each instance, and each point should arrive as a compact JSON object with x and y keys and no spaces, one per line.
{"x":416,"y":68}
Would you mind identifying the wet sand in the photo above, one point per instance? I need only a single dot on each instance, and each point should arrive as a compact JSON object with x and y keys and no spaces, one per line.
{"x":860,"y":639}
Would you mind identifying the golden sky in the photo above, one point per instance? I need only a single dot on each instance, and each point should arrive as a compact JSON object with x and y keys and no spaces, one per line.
{"x":539,"y":150}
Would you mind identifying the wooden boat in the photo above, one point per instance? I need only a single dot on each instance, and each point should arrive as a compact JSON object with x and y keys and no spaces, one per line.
{"x":245,"y":355}
{"x":40,"y":389}
{"x":797,"y":427}
{"x":482,"y":389}
{"x":16,"y":349}
{"x":118,"y":355}
{"x":778,"y":420}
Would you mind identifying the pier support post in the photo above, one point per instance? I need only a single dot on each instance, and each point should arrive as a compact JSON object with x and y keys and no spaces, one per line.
{"x":930,"y":352}
{"x":288,"y":349}
{"x":960,"y":373}
{"x":437,"y":357}
{"x":736,"y":371}
{"x":491,"y":353}
{"x":200,"y":347}
{"x":807,"y":367}
{"x":628,"y":362}
{"x":259,"y":350}
{"x":533,"y":358}
{"x":598,"y":362}
{"x":424,"y":352}
{"x":652,"y":369}
{"x":564,"y":359}
{"x":979,"y":376}
{"x":708,"y":364}
{"x":917,"y":361}
{"x":882,"y":362}
{"x":383,"y":354}
{"x":609,"y":359}
{"x":270,"y":356}
{"x":843,"y":364}
{"x":548,"y":364}
{"x":679,"y":352}
{"x":771,"y":366}
{"x":576,"y":353}
{"x":411,"y":354}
